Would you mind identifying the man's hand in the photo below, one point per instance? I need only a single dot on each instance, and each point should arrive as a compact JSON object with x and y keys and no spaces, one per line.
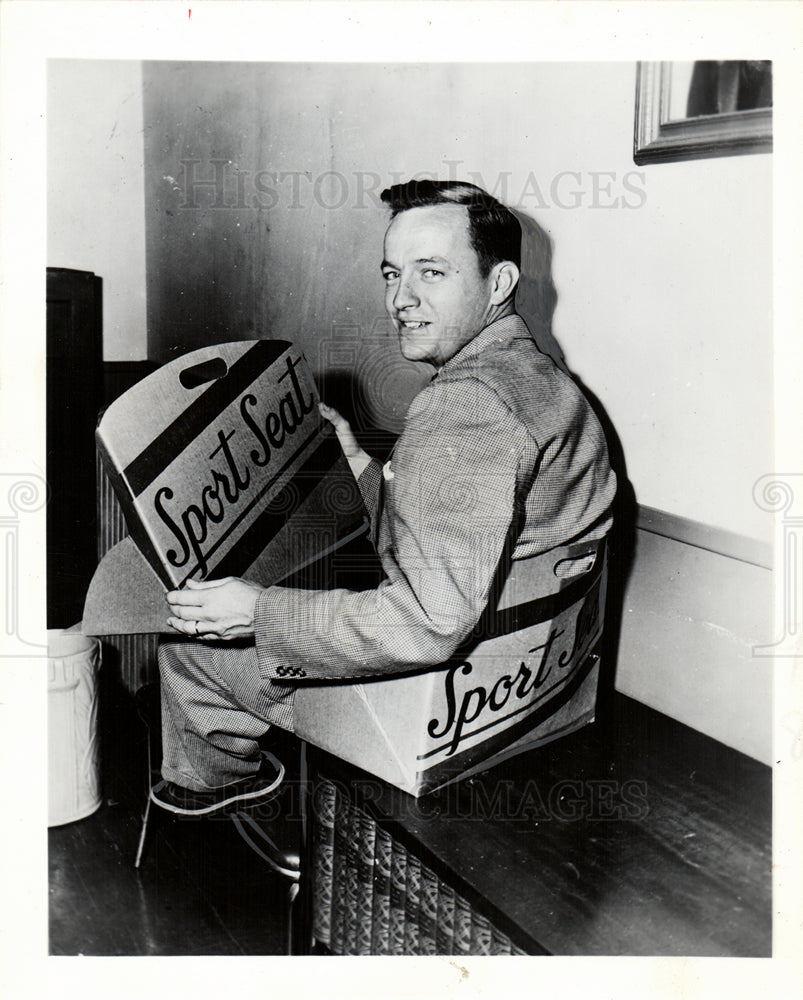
{"x":214,"y":609}
{"x":354,"y":454}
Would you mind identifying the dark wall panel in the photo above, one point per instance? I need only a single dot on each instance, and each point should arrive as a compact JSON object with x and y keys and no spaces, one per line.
{"x":74,"y":353}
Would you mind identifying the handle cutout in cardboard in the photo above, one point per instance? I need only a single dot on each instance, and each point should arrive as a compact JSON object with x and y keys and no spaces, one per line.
{"x":205,"y":371}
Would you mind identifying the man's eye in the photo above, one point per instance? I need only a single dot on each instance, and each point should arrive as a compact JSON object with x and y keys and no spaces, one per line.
{"x":390,"y":275}
{"x":432,"y":272}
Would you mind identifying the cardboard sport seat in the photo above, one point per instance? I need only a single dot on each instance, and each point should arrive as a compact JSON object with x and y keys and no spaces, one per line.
{"x":528,"y":676}
{"x":223,"y":466}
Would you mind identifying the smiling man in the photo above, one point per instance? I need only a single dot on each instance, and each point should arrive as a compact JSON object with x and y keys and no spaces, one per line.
{"x":440,"y":292}
{"x":501,"y":458}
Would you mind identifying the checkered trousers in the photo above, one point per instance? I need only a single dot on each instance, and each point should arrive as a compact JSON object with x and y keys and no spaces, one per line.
{"x":215,"y":706}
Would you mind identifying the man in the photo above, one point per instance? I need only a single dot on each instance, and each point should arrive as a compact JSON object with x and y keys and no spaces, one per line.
{"x":500,"y":458}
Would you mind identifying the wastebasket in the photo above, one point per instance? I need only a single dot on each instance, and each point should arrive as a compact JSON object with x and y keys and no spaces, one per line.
{"x":73,"y":759}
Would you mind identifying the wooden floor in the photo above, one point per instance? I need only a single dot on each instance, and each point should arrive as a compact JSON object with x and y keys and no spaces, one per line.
{"x":691,"y":877}
{"x":200,"y":890}
{"x":634,"y":836}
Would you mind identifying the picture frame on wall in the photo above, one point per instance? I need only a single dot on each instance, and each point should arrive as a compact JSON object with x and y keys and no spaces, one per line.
{"x":692,"y":110}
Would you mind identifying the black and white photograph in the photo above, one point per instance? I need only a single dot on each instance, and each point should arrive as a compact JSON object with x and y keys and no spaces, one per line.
{"x":419,"y":567}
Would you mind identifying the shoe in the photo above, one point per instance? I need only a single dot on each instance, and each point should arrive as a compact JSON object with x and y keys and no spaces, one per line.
{"x":252,"y":790}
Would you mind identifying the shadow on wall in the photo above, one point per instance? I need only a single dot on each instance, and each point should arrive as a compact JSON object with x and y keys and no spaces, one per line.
{"x":536,"y":296}
{"x":536,"y":299}
{"x":621,"y":552}
{"x":348,"y":392}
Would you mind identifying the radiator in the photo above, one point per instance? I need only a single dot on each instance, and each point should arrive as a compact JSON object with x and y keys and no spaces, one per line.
{"x":372,"y":896}
{"x":134,"y":656}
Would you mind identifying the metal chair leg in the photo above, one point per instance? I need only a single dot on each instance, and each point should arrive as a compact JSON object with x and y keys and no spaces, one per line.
{"x":252,"y":832}
{"x":145,"y":715}
{"x":264,"y":846}
{"x":143,"y":834}
{"x":292,"y":892}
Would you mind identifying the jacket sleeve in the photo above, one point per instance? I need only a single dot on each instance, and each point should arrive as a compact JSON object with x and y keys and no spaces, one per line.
{"x":448,"y":503}
{"x":369,"y":485}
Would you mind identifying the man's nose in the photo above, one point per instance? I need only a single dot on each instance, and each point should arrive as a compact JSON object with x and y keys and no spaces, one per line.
{"x":405,"y":296}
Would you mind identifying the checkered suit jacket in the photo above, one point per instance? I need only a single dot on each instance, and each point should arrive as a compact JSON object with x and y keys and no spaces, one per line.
{"x":500,"y":457}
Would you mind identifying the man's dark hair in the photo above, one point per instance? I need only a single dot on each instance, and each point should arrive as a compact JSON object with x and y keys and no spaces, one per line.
{"x":494,"y":231}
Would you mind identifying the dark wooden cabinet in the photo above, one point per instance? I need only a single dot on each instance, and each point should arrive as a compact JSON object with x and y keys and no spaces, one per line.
{"x":74,"y":391}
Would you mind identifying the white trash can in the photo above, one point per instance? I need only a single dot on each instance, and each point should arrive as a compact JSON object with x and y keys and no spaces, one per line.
{"x":72,"y":703}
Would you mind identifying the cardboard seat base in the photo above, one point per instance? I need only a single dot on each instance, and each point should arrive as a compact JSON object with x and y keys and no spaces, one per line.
{"x":530,"y":681}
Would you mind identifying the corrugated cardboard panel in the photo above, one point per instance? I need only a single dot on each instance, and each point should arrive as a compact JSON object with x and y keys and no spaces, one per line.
{"x":222,"y":466}
{"x":532,"y":679}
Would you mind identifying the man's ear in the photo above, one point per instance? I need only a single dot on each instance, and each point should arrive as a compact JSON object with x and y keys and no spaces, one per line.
{"x":504,"y":278}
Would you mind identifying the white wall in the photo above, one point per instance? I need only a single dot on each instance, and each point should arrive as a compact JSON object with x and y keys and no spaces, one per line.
{"x":690,"y":620}
{"x":663,"y":272}
{"x":665,"y":310}
{"x":96,"y":201}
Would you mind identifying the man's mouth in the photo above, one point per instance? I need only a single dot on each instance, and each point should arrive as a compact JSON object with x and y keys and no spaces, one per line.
{"x":409,"y":324}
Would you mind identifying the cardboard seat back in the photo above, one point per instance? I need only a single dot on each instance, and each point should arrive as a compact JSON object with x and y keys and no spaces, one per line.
{"x":222,"y":466}
{"x":528,"y":676}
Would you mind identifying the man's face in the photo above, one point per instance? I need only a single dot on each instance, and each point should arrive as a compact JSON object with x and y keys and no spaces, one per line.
{"x":435,"y":295}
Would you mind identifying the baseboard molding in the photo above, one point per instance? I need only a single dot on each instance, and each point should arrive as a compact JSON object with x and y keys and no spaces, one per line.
{"x":696,"y":604}
{"x":704,"y":536}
